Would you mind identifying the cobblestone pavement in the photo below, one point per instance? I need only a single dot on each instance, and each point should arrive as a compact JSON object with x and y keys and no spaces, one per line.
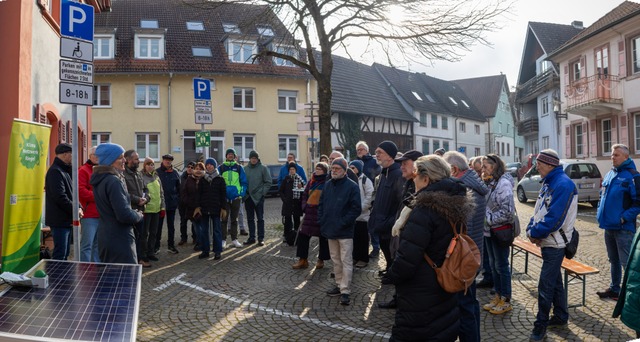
{"x":253,"y":294}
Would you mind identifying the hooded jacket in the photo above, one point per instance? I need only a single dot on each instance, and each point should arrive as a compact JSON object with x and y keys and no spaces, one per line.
{"x":85,"y":191}
{"x":479,"y":191}
{"x":425,"y":311}
{"x":116,"y":238}
{"x":620,"y":198}
{"x":258,"y":181}
{"x":234,"y":177}
{"x":556,"y":208}
{"x":59,"y":200}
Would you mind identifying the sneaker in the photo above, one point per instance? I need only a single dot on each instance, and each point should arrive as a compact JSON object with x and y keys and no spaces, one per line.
{"x":217,"y":256}
{"x":172,"y":250}
{"x":555,"y":321}
{"x":344,"y":299}
{"x":492,"y":303}
{"x":361,"y":264}
{"x":260,"y":243}
{"x":224,"y":244}
{"x":608,"y":293}
{"x":243,"y":232}
{"x":203,"y":255}
{"x":182,"y":242}
{"x":538,"y":334}
{"x":334,"y":292}
{"x":502,"y":307}
{"x":236,"y":244}
{"x":152,"y":257}
{"x":374,"y":253}
{"x":249,"y":242}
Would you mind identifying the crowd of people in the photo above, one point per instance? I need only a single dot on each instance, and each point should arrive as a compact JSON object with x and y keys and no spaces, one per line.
{"x":403,"y":204}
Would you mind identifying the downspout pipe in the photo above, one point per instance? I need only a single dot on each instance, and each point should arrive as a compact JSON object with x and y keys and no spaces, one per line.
{"x":169,"y":111}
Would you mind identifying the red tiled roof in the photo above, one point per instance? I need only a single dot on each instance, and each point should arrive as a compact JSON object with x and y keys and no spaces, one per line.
{"x":172,"y":16}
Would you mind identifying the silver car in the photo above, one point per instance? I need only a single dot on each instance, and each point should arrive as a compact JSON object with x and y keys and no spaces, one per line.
{"x":584,"y":174}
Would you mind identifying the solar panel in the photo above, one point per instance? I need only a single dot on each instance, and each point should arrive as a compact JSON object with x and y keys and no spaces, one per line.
{"x":84,"y":302}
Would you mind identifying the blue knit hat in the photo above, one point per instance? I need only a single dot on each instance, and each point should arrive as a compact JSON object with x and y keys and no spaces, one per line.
{"x":340,"y":162}
{"x":358,"y":164}
{"x":211,"y":161}
{"x":108,"y":153}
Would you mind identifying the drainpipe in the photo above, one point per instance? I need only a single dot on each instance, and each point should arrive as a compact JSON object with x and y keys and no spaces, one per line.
{"x":169,"y":110}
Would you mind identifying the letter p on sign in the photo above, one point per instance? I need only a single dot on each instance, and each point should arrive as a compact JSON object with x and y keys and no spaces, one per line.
{"x":201,"y":89}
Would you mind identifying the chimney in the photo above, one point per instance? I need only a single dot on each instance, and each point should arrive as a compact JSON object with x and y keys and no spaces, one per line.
{"x":577,"y":24}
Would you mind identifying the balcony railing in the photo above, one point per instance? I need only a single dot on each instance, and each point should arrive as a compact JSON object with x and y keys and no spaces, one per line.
{"x":528,"y":125}
{"x":593,"y":92}
{"x":537,"y":85}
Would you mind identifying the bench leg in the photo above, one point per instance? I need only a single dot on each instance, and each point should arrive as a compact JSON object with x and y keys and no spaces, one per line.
{"x":566,"y":288}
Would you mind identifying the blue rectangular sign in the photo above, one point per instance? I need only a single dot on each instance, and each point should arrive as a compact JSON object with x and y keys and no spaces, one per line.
{"x":76,"y":20}
{"x":201,"y":89}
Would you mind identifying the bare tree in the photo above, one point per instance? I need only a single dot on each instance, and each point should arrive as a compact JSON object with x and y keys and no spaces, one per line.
{"x":411,"y":29}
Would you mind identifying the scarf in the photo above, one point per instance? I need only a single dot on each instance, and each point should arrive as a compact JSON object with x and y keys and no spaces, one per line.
{"x":210,"y":176}
{"x":315,"y":189}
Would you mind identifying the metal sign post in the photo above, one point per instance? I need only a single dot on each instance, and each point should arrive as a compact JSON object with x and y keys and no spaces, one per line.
{"x":203,"y":110}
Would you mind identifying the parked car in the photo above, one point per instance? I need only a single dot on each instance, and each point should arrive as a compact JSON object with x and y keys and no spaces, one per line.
{"x":584,"y":174}
{"x":513,"y":168}
{"x":274,"y":170}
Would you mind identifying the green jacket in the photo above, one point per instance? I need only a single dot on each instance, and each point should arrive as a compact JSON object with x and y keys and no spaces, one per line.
{"x":152,"y":183}
{"x":628,"y":305}
{"x":259,"y":181}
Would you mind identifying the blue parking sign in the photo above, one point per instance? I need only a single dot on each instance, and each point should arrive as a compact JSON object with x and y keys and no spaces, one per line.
{"x":201,"y":89}
{"x":76,"y":20}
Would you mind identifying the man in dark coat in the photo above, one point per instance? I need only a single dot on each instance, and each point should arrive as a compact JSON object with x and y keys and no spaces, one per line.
{"x":258,"y":184}
{"x":371,"y":169}
{"x":388,"y":197}
{"x":212,"y":194}
{"x":184,"y":220}
{"x":171,"y":186}
{"x":116,"y":237}
{"x":339,"y":208}
{"x":467,"y":302}
{"x":59,"y":201}
{"x":137,"y":198}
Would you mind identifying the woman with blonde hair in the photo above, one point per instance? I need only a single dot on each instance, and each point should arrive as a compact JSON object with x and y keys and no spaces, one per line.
{"x":152,"y":209}
{"x":425,"y":311}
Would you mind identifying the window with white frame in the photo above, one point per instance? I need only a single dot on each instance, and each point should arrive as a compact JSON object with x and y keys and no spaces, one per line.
{"x":436,"y":145}
{"x":476,"y":152}
{"x":287,"y":144}
{"x":635,"y":56}
{"x":98,"y":138}
{"x":445,"y":122}
{"x":243,"y":144}
{"x":265,"y":30}
{"x":101,"y":95}
{"x":545,"y":105}
{"x":149,"y":23}
{"x":434,"y":121}
{"x":149,"y":46}
{"x":606,"y":137}
{"x":423,"y":119}
{"x":103,"y":46}
{"x":579,"y":134}
{"x":477,"y":129}
{"x":285,"y":50}
{"x":545,"y":142}
{"x":287,"y":101}
{"x":240,"y":51}
{"x":147,"y":96}
{"x":230,"y":28}
{"x":576,"y":70}
{"x":201,"y":51}
{"x":243,"y":98}
{"x":637,"y":131}
{"x":148,"y":145}
{"x":463,"y":127}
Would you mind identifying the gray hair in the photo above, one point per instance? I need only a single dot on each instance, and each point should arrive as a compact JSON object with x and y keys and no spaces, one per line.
{"x":92,"y":150}
{"x":363,"y":144}
{"x":434,"y":167}
{"x":340,"y":155}
{"x":457,"y":159}
{"x":622,"y":147}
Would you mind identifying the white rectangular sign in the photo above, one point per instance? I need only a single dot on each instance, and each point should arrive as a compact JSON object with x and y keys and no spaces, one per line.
{"x":76,"y":72}
{"x":74,"y":93}
{"x":204,"y":118}
{"x":206,"y":103}
{"x":76,"y":49}
{"x":203,"y":109}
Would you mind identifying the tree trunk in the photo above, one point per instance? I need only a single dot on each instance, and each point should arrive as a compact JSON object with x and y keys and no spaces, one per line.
{"x":324,"y":101}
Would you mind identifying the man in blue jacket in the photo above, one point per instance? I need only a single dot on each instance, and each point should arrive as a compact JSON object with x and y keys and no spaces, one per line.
{"x":337,"y":212}
{"x":171,"y":185}
{"x":284,"y":170}
{"x":619,"y":206}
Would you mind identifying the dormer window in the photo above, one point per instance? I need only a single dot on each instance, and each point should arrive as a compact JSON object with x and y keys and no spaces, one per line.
{"x":230,"y":28}
{"x":285,"y":50}
{"x":195,"y":26}
{"x":149,"y":46}
{"x":266,"y":31}
{"x":103,"y":46}
{"x":149,"y":23}
{"x":201,"y":51}
{"x":240,"y":51}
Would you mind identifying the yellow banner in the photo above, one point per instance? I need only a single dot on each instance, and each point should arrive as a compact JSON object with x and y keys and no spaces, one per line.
{"x":24,"y":195}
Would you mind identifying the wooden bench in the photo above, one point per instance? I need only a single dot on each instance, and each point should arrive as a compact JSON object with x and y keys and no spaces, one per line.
{"x":574,"y":271}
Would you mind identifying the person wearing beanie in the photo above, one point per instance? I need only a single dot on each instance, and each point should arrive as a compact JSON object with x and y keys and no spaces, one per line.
{"x":170,"y":181}
{"x":236,"y":180}
{"x":361,"y":232}
{"x":59,"y":201}
{"x":388,"y":199}
{"x":324,"y":159}
{"x":116,"y":236}
{"x":339,"y":208}
{"x":184,"y":220}
{"x":212,"y":192}
{"x":212,"y":162}
{"x":284,"y":171}
{"x":258,"y":185}
{"x":89,"y":221}
{"x":551,"y":228}
{"x":370,"y":167}
{"x":350,"y":173}
{"x":440,"y":152}
{"x":290,"y":193}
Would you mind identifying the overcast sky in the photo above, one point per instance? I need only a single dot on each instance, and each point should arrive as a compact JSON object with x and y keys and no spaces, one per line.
{"x":505,"y":54}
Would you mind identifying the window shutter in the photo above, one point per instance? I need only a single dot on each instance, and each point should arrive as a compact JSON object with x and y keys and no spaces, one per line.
{"x":622,"y":59}
{"x":69,"y":133}
{"x":593,"y":139}
{"x":583,"y":67}
{"x":567,"y":141}
{"x":566,"y":79}
{"x":62,"y":132}
{"x":624,"y":130}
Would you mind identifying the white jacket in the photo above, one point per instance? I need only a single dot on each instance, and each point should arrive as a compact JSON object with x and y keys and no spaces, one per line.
{"x":366,"y":197}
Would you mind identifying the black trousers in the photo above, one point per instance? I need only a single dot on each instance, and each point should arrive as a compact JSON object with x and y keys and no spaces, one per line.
{"x":303,"y":247}
{"x":361,"y":242}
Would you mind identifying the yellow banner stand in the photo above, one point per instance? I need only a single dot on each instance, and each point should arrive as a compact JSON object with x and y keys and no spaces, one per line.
{"x":24,"y":195}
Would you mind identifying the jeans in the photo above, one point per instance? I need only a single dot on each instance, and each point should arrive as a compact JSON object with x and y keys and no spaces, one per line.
{"x":204,"y":233}
{"x":501,"y":272}
{"x":618,"y":244}
{"x":550,"y":287}
{"x":184,"y":221}
{"x":487,"y":274}
{"x":233,"y":208}
{"x":171,"y":228}
{"x":139,"y":231}
{"x":375,"y":239}
{"x":89,"y":240}
{"x":469,"y":315}
{"x":61,"y":242}
{"x":255,"y":210}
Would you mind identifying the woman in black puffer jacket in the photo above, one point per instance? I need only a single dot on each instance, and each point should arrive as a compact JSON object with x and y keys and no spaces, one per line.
{"x":425,"y":311}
